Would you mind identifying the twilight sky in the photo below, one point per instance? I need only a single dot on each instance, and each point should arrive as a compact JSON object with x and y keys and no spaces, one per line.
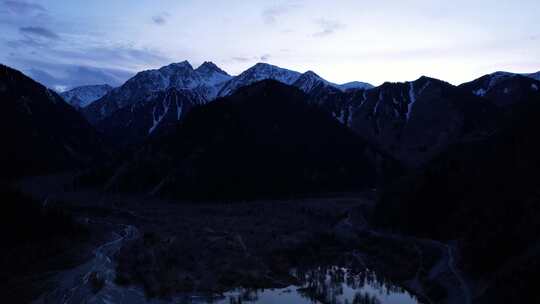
{"x":64,"y":43}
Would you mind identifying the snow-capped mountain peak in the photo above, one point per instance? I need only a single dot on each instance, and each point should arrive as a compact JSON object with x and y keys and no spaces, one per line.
{"x":355,"y":85}
{"x":310,"y":80}
{"x":83,"y":96}
{"x":209,"y":67}
{"x":258,"y":72}
{"x":267,"y":71}
{"x":177,"y":65}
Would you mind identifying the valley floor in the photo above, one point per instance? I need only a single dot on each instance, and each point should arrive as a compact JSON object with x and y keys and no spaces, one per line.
{"x":210,"y":248}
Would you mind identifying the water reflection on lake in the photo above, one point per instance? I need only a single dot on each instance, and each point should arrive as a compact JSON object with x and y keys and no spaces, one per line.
{"x":332,"y":285}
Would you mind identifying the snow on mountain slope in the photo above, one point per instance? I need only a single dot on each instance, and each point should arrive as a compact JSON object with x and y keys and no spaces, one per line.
{"x":258,"y":72}
{"x":157,"y":115}
{"x":309,"y":81}
{"x":180,"y":76}
{"x":83,"y":96}
{"x":485,"y":84}
{"x":205,"y":81}
{"x":306,"y":81}
{"x":503,"y":89}
{"x":413,"y":121}
{"x":355,"y":85}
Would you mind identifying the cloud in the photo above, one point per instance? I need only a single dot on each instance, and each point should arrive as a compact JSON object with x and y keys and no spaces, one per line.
{"x":23,"y":7}
{"x":37,"y":31}
{"x":328,"y":27}
{"x":271,"y":14}
{"x":61,"y":77}
{"x":66,"y":65}
{"x":160,"y":19}
{"x":262,"y":58}
{"x":241,"y":59}
{"x":265,"y":57}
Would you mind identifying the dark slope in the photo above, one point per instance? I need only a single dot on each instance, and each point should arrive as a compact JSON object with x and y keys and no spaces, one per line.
{"x":40,"y":132}
{"x":486,"y":195}
{"x":158,"y":115}
{"x":37,"y":240}
{"x":263,"y":141}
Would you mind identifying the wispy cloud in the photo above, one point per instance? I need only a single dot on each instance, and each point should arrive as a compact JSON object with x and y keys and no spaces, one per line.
{"x":74,"y":61}
{"x":23,"y":7}
{"x":37,"y":31}
{"x":262,"y":58}
{"x":160,"y":19}
{"x":328,"y":27}
{"x":270,"y":15}
{"x":241,"y":59}
{"x":60,"y":77}
{"x":265,"y":57}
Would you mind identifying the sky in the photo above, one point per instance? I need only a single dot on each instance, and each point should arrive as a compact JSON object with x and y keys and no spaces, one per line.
{"x":66,"y":43}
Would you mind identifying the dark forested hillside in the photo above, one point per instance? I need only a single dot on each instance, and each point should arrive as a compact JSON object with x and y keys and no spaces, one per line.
{"x":40,"y":132}
{"x":35,"y":239}
{"x":485,"y":194}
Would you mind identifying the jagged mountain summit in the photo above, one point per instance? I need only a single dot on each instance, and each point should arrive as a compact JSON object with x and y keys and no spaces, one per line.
{"x":306,"y":81}
{"x":309,"y":81}
{"x":83,"y":96}
{"x":204,"y":81}
{"x":258,"y":72}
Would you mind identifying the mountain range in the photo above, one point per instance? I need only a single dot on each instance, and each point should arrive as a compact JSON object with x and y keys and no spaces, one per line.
{"x":208,"y":81}
{"x":412,"y":121}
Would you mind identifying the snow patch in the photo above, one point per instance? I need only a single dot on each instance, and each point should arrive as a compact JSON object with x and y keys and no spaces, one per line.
{"x":178,"y":109}
{"x":364,"y":98}
{"x":349,"y":117}
{"x":480,"y":92}
{"x":534,"y":87}
{"x":341,"y":117}
{"x":157,"y":121}
{"x":376,"y":108}
{"x":412,"y":100}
